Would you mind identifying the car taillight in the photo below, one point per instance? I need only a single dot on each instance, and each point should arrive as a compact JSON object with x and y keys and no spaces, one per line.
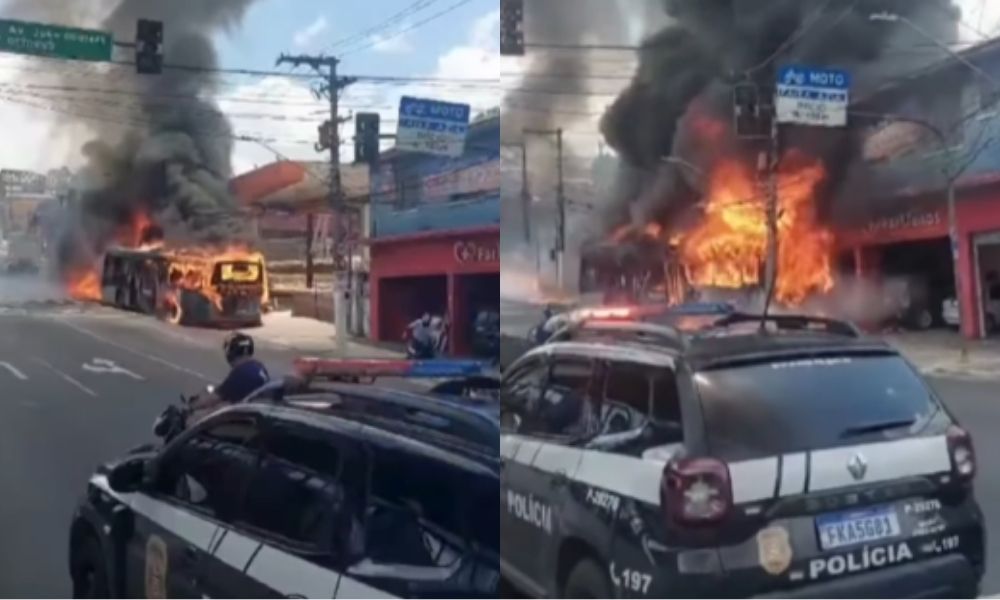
{"x":963,"y":456}
{"x":696,"y":491}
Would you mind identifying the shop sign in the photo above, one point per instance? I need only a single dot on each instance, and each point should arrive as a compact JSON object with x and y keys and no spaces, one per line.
{"x":470,"y":253}
{"x":479,"y":178}
{"x":909,"y":220}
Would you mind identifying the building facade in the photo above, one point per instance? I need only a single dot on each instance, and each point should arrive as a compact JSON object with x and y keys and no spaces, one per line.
{"x":435,"y":237}
{"x":933,"y":131}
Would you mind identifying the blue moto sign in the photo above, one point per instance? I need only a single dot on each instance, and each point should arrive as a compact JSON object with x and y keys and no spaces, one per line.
{"x":432,"y":126}
{"x":812,"y":96}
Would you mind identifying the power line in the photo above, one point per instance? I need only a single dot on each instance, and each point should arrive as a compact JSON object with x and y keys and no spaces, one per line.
{"x":405,"y":30}
{"x":413,"y":8}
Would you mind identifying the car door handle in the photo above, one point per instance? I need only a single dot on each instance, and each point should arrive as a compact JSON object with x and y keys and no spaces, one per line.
{"x":560,"y":480}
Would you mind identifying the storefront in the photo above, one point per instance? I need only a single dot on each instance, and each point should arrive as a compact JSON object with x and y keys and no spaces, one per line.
{"x":454,"y":273}
{"x":919,"y":237}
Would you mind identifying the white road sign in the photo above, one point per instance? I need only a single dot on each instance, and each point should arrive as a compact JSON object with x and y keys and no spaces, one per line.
{"x":811,"y":96}
{"x":432,"y":127}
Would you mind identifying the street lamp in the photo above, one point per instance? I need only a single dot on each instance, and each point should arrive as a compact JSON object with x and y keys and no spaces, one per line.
{"x":889,"y":17}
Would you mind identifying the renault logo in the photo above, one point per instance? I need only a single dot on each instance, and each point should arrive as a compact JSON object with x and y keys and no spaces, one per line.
{"x":857,"y":466}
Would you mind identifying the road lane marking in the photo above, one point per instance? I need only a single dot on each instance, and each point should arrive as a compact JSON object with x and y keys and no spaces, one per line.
{"x":135,"y":352}
{"x":110,"y":367}
{"x":68,"y":378}
{"x":14,"y":371}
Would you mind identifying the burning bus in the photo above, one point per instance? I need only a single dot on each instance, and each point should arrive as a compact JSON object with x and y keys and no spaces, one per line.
{"x":188,"y":287}
{"x":634,"y":272}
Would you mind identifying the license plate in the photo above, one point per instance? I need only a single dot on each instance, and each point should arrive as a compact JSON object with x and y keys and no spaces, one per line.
{"x":857,"y":527}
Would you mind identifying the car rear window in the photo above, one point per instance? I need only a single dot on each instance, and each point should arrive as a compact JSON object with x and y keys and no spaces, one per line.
{"x":764,"y":409}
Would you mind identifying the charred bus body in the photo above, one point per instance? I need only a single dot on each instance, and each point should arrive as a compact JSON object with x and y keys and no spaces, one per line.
{"x":634,"y":271}
{"x":187,"y":288}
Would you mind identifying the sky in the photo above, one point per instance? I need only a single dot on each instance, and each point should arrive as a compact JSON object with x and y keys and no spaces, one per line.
{"x":446,"y":39}
{"x":579,"y":121}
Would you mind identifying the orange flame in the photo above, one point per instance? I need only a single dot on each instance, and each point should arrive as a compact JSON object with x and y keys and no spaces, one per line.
{"x":728,"y":248}
{"x":84,"y":285}
{"x":191,"y":268}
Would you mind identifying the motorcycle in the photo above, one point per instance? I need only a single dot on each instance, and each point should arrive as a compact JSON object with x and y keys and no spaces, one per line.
{"x":172,"y":422}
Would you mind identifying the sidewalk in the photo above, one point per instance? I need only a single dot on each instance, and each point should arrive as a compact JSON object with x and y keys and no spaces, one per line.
{"x":312,"y":337}
{"x":940,"y":353}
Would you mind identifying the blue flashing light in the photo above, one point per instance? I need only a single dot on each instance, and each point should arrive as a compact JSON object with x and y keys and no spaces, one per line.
{"x":445,"y":368}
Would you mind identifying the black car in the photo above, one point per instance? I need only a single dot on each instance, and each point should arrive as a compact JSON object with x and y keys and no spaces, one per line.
{"x":309,"y":489}
{"x":786,"y":457}
{"x":486,"y":334}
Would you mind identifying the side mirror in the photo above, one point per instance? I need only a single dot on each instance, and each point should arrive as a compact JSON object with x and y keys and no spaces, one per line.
{"x":510,"y":421}
{"x":127,"y":477}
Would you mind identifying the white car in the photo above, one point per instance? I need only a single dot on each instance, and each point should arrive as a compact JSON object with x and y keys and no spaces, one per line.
{"x":953,"y":317}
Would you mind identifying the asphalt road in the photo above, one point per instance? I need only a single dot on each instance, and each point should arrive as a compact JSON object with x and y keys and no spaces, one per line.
{"x":517,"y":318}
{"x":80,"y":387}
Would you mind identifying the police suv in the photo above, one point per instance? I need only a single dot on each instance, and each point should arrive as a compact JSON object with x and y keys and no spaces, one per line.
{"x":310,"y":488}
{"x":786,"y":456}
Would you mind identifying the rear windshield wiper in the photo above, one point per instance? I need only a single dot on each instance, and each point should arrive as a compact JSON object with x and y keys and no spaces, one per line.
{"x":876,"y":427}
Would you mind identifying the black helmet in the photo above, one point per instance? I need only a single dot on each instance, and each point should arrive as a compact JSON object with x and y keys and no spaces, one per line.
{"x":236,"y":346}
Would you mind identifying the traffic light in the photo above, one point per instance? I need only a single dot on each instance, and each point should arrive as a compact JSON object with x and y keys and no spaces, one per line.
{"x":325,"y":134}
{"x":366,"y":137}
{"x":751,"y":112}
{"x":512,"y":27}
{"x":149,"y":47}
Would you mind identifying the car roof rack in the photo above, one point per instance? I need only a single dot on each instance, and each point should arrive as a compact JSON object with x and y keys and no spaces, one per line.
{"x":633,"y":331}
{"x":789,"y":323}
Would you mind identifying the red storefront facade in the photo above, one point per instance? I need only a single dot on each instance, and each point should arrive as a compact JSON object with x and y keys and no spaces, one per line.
{"x":454,"y":272}
{"x":978,"y":223}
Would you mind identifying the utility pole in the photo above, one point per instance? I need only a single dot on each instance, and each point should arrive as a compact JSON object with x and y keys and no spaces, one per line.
{"x":525,"y":195}
{"x":560,"y":242}
{"x":561,"y":225}
{"x":771,"y":270}
{"x":327,"y":66}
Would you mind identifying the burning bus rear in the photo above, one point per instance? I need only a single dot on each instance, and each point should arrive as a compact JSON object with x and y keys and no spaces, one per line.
{"x":197,"y":288}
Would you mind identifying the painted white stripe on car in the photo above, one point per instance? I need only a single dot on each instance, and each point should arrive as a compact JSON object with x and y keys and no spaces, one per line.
{"x":753,"y":480}
{"x":625,"y":475}
{"x":236,"y":550}
{"x":291,"y":576}
{"x":526,"y":452}
{"x":884,"y":461}
{"x":508,"y":446}
{"x":553,"y":458}
{"x":793,"y":475}
{"x":193,"y":529}
{"x":352,"y":588}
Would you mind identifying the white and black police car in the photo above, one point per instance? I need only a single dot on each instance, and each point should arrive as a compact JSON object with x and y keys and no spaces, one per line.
{"x":311,"y":488}
{"x":786,"y":456}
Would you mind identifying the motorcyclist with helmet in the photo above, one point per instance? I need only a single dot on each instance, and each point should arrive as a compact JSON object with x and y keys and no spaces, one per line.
{"x":246,"y":375}
{"x":422,"y":337}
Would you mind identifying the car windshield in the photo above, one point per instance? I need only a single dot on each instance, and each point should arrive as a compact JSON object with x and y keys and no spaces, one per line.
{"x":773,"y":408}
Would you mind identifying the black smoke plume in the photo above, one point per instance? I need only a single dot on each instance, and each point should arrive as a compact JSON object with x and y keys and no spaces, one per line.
{"x":171,"y":158}
{"x":683,"y":85}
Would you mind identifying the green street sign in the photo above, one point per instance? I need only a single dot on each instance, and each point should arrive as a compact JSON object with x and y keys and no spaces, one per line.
{"x":52,"y":41}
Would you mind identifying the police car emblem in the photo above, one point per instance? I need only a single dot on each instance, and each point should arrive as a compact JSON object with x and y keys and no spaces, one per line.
{"x":775,"y":550}
{"x":156,"y":568}
{"x":857,"y":466}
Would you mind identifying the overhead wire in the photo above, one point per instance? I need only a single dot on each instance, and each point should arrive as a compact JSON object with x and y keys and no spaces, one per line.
{"x":433,"y":17}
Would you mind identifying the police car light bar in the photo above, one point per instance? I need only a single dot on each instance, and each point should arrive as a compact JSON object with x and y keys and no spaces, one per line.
{"x":372,"y":368}
{"x":603,"y":314}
